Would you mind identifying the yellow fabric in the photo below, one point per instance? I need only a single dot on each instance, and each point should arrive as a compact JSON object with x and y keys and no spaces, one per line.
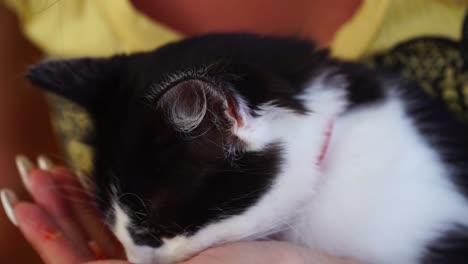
{"x":71,"y":28}
{"x":381,"y":24}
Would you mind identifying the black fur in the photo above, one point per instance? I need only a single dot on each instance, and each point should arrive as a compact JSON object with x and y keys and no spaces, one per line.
{"x":363,"y":87}
{"x":431,"y":117}
{"x":87,"y":82}
{"x":451,"y":248}
{"x":184,"y":183}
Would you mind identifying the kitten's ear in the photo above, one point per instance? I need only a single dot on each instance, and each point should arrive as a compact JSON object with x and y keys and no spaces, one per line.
{"x":84,"y":81}
{"x":191,"y":102}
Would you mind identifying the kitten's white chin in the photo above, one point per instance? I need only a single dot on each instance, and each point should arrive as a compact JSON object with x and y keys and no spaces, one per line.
{"x":173,"y":250}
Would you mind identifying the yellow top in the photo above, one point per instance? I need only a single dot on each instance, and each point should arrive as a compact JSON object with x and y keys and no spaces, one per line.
{"x":70,"y":28}
{"x":380,"y":24}
{"x":74,"y":28}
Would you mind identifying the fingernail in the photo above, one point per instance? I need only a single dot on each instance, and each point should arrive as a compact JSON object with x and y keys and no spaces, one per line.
{"x":9,"y":199}
{"x":83,"y":178}
{"x":24,"y":167}
{"x":96,"y":250}
{"x":44,"y":163}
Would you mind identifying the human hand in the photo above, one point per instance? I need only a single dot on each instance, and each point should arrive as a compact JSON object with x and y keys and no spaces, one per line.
{"x":264,"y":252}
{"x":64,"y":226}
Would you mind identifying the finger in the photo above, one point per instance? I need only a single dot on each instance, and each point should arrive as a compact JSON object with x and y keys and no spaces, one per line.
{"x":88,"y":214}
{"x":86,"y":218}
{"x":53,"y":200}
{"x":97,"y":250}
{"x":46,"y":237}
{"x":43,"y":188}
{"x":263,"y":252}
{"x":108,"y":262}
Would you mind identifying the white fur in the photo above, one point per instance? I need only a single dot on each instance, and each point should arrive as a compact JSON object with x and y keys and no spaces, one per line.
{"x":384,"y":193}
{"x":136,"y":254}
{"x":379,"y":195}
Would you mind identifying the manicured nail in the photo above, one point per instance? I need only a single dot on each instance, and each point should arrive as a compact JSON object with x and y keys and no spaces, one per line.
{"x":96,"y":250}
{"x":24,"y":167}
{"x":83,"y":178}
{"x":44,"y":163}
{"x":9,"y":199}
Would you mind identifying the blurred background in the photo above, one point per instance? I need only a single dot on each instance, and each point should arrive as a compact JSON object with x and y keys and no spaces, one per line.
{"x":24,"y":126}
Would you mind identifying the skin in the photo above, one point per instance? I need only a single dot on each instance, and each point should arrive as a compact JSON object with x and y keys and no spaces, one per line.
{"x":316,"y":20}
{"x":56,"y":227}
{"x":28,"y":130}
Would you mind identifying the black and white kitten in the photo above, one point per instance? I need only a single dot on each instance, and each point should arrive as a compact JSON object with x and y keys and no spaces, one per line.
{"x":231,"y":137}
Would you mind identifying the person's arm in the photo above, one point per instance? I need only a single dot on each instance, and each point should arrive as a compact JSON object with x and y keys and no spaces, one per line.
{"x":24,"y":126}
{"x":316,"y":20}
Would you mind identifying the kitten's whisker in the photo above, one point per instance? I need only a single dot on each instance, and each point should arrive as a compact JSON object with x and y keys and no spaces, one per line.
{"x":145,"y":207}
